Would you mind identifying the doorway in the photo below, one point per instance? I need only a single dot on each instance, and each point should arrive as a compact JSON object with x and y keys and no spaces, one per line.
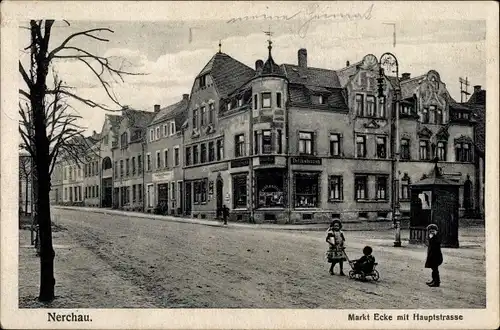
{"x":220,"y":196}
{"x":187,"y":201}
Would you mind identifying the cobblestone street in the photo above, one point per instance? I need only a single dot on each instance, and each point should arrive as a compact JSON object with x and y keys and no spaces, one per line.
{"x":112,"y":261}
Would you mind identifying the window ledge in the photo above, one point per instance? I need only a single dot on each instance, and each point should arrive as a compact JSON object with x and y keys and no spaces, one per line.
{"x":312,"y":208}
{"x":335,"y":201}
{"x":372,"y":200}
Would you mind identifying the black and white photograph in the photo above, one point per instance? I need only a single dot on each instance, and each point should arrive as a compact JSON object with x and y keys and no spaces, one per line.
{"x":236,"y":164}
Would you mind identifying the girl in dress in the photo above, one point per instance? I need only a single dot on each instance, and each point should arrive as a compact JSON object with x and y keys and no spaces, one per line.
{"x":335,"y":238}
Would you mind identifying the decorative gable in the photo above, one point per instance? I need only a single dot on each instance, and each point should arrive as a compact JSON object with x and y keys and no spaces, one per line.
{"x":424,"y":133}
{"x":463,"y":139}
{"x":443,"y":134}
{"x":372,"y":124}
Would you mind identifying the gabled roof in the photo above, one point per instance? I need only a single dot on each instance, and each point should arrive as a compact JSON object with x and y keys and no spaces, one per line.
{"x":345,"y":74}
{"x":171,"y":112}
{"x":138,"y":118}
{"x":311,"y":76}
{"x":409,"y":86}
{"x":478,"y":97}
{"x":228,"y":74}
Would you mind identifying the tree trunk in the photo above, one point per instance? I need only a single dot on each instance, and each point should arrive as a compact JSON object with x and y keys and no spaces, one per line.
{"x":26,"y":197}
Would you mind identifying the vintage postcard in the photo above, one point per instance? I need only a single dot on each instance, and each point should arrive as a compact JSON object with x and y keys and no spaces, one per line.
{"x":249,"y":165}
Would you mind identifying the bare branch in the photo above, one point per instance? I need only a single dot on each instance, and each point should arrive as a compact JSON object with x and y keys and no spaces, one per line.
{"x":84,"y":33}
{"x":87,"y":102}
{"x":25,"y":76}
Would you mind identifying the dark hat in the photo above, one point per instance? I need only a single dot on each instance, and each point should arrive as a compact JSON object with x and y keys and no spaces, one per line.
{"x":367,"y":250}
{"x":336,"y":221}
{"x":432,"y":226}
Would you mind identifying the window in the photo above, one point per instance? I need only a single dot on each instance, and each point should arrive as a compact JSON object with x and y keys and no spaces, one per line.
{"x":239,"y":141}
{"x":405,"y":109}
{"x":370,"y":106}
{"x":151,"y":136}
{"x":211,"y":113}
{"x":359,"y":105}
{"x":203,"y":81}
{"x":439,"y":116}
{"x":432,"y":114}
{"x":382,"y":187}
{"x":133,"y":165}
{"x":203,"y":116}
{"x":139,"y":193}
{"x":256,"y":142}
{"x":278,"y":100}
{"x":195,"y":155}
{"x":240,"y":191}
{"x":203,"y":156}
{"x":381,"y":147}
{"x":405,"y":149}
{"x":255,"y":101}
{"x":197,"y":192}
{"x":211,"y":151}
{"x":148,"y":162}
{"x":306,"y":143}
{"x":361,"y":187}
{"x":361,"y":146}
{"x":172,"y":191}
{"x":176,"y":156}
{"x":279,"y":142}
{"x":334,"y":144}
{"x":441,"y":151}
{"x":335,"y":188}
{"x":157,"y":133}
{"x":124,"y":140}
{"x":381,"y":107}
{"x":172,"y":128}
{"x":424,"y":150}
{"x":204,"y":184}
{"x":165,"y":130}
{"x":165,"y":158}
{"x":105,"y":140}
{"x":158,"y":159}
{"x":306,"y":190}
{"x":195,"y":118}
{"x":405,"y":188}
{"x":71,"y":173}
{"x":116,"y":169}
{"x":127,"y":166}
{"x":220,"y":149}
{"x":240,"y":102}
{"x":266,"y":100}
{"x":121,"y":167}
{"x":139,"y":163}
{"x":188,"y":156}
{"x":266,"y":142}
{"x":425,"y":116}
{"x":463,"y":152}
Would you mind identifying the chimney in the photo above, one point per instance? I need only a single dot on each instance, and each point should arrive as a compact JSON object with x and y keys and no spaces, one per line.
{"x":258,"y":65}
{"x":157,"y":108}
{"x":94,"y":133}
{"x":302,"y":55}
{"x":477,"y":88}
{"x":405,"y":76}
{"x":185,"y":97}
{"x":347,"y":63}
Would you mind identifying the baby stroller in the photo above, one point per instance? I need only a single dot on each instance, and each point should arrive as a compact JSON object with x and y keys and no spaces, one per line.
{"x":370,"y":271}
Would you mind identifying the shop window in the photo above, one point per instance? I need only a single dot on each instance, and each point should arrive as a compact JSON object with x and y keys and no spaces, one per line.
{"x":240,"y":191}
{"x":382,"y":187}
{"x":335,"y":188}
{"x":361,"y":187}
{"x":306,"y":189}
{"x":270,"y":188}
{"x":381,"y":147}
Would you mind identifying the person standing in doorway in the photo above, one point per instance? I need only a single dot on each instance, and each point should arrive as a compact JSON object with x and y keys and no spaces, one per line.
{"x":225,"y":213}
{"x":434,"y":255}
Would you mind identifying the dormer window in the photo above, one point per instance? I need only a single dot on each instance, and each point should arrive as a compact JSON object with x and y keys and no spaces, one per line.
{"x":203,"y":81}
{"x":266,"y":100}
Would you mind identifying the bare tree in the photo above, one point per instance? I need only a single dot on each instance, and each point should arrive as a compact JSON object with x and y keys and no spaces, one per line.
{"x":43,"y":112}
{"x":25,"y":168}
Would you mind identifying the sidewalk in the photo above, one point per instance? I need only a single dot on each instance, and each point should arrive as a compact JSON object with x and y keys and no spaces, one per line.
{"x":348,"y":226}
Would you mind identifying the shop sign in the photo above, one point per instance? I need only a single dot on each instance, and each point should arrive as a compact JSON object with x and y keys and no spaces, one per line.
{"x":163,"y":176}
{"x":240,"y":162}
{"x":266,"y":160}
{"x":306,"y":161}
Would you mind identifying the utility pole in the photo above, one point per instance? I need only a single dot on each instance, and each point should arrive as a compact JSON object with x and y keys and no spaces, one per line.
{"x":464,"y":86}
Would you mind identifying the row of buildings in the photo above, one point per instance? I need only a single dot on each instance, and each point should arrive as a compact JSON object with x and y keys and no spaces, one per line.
{"x":283,"y":143}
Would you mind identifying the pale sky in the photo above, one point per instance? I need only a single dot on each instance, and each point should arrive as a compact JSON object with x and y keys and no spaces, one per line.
{"x":171,"y":60}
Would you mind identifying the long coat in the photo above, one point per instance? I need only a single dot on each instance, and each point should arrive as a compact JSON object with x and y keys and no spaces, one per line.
{"x":434,"y":254}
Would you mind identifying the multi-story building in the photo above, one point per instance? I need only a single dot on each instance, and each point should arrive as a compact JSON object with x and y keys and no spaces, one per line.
{"x":109,"y":139}
{"x":164,"y":174}
{"x":91,"y":171}
{"x":72,"y":183}
{"x":128,"y":151}
{"x":207,"y":176}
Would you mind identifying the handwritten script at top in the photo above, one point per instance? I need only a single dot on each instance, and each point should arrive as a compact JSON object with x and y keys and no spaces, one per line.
{"x":309,"y":15}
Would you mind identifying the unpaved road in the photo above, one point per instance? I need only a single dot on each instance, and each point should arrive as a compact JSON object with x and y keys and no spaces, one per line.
{"x":182,"y":265}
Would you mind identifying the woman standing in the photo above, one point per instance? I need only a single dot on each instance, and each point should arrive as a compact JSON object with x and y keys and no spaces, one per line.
{"x":335,"y":238}
{"x":434,"y":255}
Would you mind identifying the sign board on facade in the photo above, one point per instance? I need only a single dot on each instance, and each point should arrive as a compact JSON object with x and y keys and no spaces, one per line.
{"x":306,"y":161}
{"x":163,"y":176}
{"x":240,"y":162}
{"x":266,"y":160}
{"x":426,"y":199}
{"x":211,"y":188}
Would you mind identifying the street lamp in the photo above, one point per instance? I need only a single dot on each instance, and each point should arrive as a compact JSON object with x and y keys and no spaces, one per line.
{"x":389,"y":63}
